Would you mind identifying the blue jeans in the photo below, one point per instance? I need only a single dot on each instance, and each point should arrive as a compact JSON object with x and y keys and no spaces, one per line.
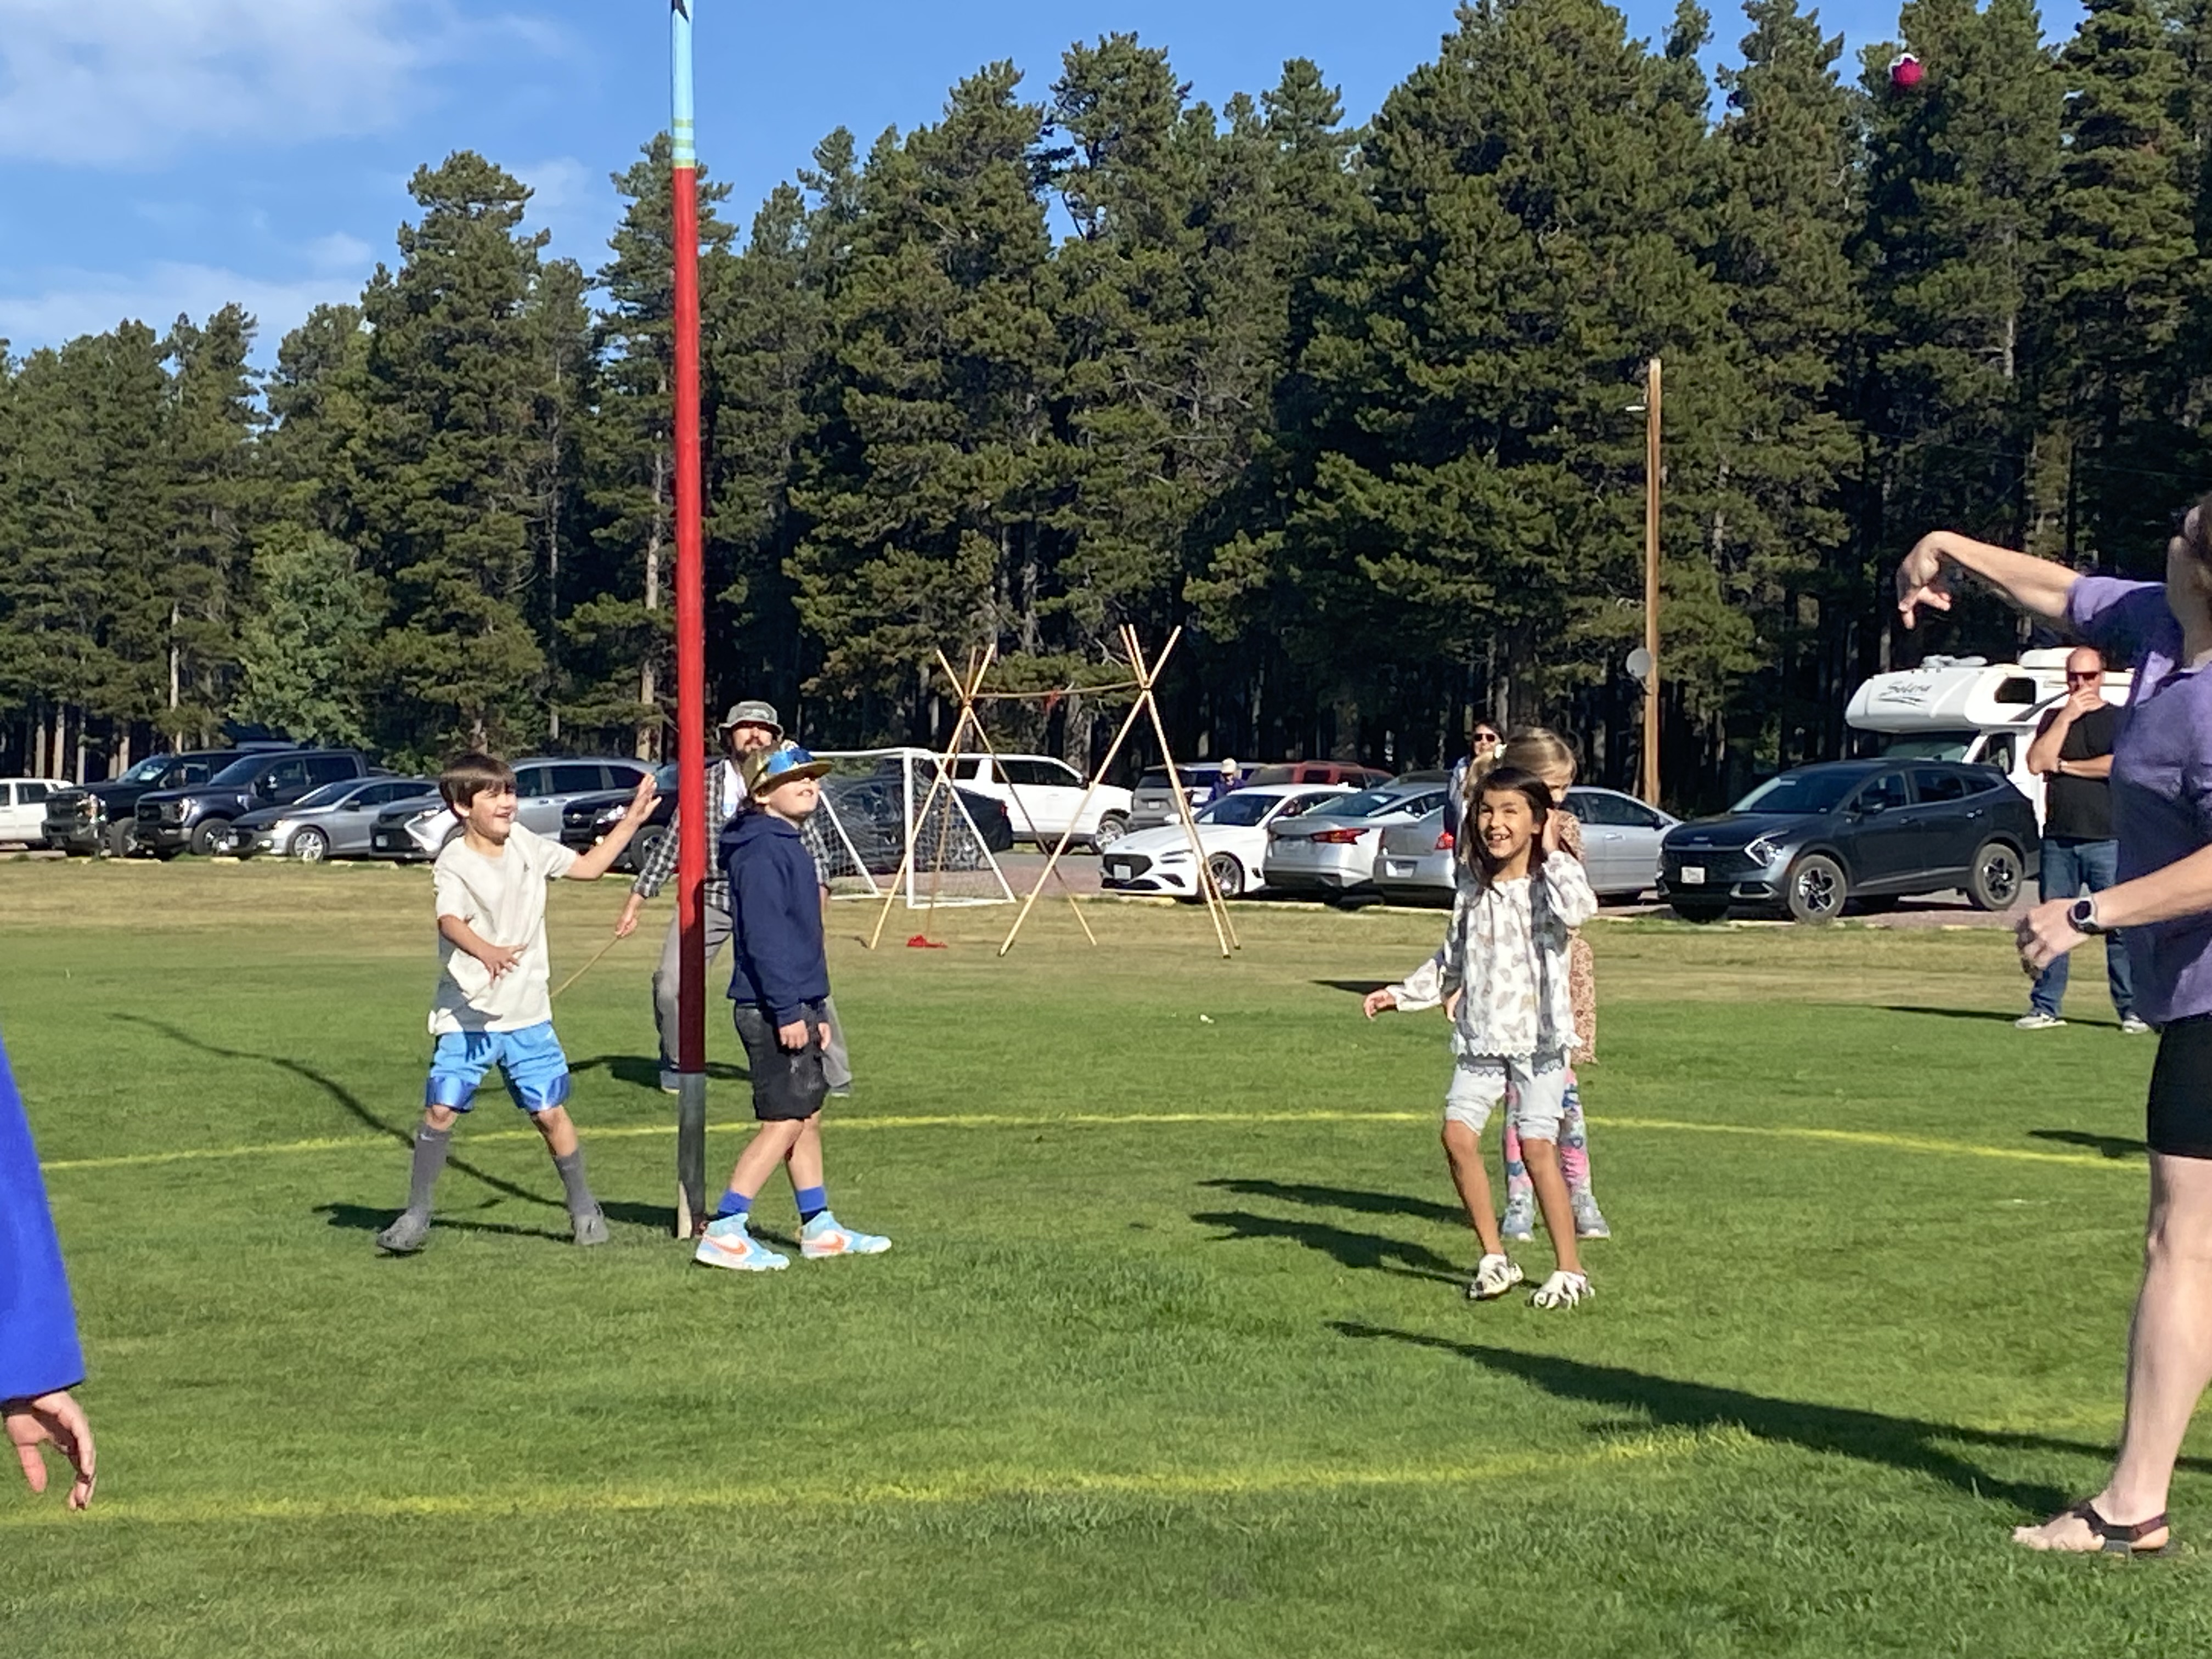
{"x":2070,"y":868}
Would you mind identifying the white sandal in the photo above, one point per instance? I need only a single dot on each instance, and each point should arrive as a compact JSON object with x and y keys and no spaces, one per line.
{"x":1563,"y":1290}
{"x":1494,"y":1275}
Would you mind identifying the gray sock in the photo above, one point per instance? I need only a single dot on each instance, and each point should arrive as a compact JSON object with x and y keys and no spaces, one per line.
{"x":580,"y":1202}
{"x":430,"y":1145}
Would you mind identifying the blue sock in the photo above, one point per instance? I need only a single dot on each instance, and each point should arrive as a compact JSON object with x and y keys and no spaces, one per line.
{"x":734,"y":1203}
{"x":812,"y":1200}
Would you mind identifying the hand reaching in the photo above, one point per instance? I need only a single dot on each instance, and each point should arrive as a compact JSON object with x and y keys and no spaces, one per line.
{"x":1924,"y":578}
{"x":1379,"y":1001}
{"x":56,"y":1419}
{"x":641,"y":803}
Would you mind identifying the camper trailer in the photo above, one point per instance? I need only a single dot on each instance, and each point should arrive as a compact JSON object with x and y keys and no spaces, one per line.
{"x":1968,"y":709}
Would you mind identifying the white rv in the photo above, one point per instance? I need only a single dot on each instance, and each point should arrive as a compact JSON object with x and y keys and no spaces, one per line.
{"x":1968,"y":709}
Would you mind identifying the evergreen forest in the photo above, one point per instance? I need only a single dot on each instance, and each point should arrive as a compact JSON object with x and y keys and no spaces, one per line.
{"x":1356,"y":407}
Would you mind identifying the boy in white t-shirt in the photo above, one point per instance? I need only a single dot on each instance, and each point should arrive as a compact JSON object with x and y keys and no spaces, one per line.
{"x":491,"y":1007}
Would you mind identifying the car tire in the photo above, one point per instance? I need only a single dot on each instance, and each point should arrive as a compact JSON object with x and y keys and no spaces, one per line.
{"x":122,"y":839}
{"x":644,"y":844}
{"x":1111,"y":828}
{"x":1993,"y":881}
{"x":1817,"y":889}
{"x":310,"y":846}
{"x":1688,"y":910}
{"x":1228,"y":874}
{"x":211,"y":836}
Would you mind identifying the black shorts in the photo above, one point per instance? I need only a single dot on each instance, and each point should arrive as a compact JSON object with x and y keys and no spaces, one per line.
{"x":788,"y":1086}
{"x":2179,"y":1119}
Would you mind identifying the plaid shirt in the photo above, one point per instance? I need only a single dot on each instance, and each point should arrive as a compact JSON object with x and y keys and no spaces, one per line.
{"x":724,"y":802}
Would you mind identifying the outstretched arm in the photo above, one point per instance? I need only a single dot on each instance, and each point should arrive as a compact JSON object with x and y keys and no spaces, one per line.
{"x":590,"y":866}
{"x":2036,"y":585}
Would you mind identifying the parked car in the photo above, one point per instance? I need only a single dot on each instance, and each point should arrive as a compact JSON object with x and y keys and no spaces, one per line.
{"x":1817,"y":837}
{"x":23,"y":808}
{"x":1359,"y":777}
{"x":1152,"y":803}
{"x":102,"y":817}
{"x":870,"y":810}
{"x":334,"y":822}
{"x":586,"y":818}
{"x":1233,"y":832}
{"x":1331,"y":849}
{"x":1621,"y":837}
{"x":544,"y":786}
{"x":1043,"y":797}
{"x":198,"y":816}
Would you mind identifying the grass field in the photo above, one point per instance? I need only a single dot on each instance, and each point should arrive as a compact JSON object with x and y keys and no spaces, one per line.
{"x":1170,"y":1357}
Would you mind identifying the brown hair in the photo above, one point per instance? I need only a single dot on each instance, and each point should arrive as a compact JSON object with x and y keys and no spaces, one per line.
{"x":466,"y":776}
{"x":1503,"y":781}
{"x":1537,"y":749}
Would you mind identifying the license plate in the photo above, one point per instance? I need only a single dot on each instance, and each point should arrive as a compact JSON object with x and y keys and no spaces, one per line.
{"x":1119,"y":872}
{"x":1694,"y":875}
{"x":1396,"y":867}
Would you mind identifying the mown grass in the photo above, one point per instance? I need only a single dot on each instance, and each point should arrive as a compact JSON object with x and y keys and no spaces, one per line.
{"x":1170,"y":1357}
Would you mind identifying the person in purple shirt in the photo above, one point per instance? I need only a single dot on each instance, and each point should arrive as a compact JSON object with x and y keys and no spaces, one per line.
{"x":39,"y":1360}
{"x":2161,"y":785}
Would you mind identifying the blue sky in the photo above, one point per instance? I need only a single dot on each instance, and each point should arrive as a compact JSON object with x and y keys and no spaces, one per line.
{"x":167,"y":155}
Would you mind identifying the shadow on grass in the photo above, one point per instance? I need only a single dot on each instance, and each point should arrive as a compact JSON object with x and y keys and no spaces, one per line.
{"x":1985,"y":1015}
{"x":368,"y":1218}
{"x":2111,"y":1146}
{"x":1355,"y":1199}
{"x":644,"y":1070}
{"x":1353,"y":1249}
{"x":1359,"y":988}
{"x":347,"y":1100}
{"x":1911,"y":1444}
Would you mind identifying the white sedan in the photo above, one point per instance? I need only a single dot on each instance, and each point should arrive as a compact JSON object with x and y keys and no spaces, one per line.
{"x":1233,"y":830}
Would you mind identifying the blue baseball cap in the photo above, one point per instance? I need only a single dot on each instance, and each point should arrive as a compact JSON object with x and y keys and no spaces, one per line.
{"x":781,"y":765}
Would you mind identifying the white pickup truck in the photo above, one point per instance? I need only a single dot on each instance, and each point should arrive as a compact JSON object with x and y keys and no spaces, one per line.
{"x":1041,"y":796}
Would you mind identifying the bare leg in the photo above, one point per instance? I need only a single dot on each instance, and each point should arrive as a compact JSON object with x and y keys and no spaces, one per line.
{"x":1463,"y":1152}
{"x":1543,"y":1159}
{"x":771,"y":1144}
{"x":560,"y":1133}
{"x":804,"y":1160}
{"x":2169,"y":1355}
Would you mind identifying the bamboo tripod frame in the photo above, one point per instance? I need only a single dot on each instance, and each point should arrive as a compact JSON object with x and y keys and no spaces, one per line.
{"x":1147,"y":677}
{"x":967,"y":688}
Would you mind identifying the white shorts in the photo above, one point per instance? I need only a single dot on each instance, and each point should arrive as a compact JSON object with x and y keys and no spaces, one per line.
{"x":1537,"y":1086}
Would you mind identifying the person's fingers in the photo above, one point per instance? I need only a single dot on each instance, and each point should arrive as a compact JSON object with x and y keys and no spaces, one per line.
{"x":26,"y":1432}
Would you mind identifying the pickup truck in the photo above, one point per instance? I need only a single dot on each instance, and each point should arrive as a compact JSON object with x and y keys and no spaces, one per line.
{"x":1042,"y":795}
{"x":102,"y":817}
{"x":197,"y":817}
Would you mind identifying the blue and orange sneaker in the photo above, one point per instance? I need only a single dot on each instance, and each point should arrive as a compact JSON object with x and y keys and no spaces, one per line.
{"x":823,"y":1236}
{"x":726,"y":1243}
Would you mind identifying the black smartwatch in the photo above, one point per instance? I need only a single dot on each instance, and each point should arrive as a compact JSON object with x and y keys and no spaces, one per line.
{"x":2082,"y":917}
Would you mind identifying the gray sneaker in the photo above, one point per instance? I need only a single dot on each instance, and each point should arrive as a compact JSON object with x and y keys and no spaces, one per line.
{"x":1518,"y":1224}
{"x":2037,"y":1020}
{"x":1589,"y":1220}
{"x":2134,"y":1024}
{"x":404,"y":1237}
{"x":590,"y":1229}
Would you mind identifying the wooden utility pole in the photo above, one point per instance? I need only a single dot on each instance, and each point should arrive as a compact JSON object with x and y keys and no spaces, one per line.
{"x":1650,"y":791}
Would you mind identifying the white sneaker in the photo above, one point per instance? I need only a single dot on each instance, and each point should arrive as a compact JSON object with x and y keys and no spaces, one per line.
{"x":1563,"y":1290}
{"x":2037,"y":1020}
{"x":1494,"y":1275}
{"x":2134,"y":1024}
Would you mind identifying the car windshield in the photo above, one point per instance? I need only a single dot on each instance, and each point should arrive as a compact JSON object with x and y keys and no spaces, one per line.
{"x":1158,"y":779}
{"x":1930,"y":746}
{"x":1241,"y":810}
{"x":1367,"y":804}
{"x":1802,"y":792}
{"x":244,"y":769}
{"x":330,"y":794}
{"x":147,"y":770}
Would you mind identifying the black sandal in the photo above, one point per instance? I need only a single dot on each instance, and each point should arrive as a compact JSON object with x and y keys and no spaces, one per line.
{"x":2121,"y":1541}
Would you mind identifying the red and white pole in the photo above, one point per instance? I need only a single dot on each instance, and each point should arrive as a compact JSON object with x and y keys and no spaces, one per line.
{"x":691,"y":658}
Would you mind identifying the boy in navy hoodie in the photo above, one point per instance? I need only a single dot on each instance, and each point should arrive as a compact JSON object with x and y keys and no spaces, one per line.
{"x":779,"y":981}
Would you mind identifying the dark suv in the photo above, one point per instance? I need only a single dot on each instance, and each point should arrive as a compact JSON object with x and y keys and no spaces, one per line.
{"x":103,"y":816}
{"x":197,"y":816}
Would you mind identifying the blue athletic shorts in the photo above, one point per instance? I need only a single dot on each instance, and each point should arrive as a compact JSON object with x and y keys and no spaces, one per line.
{"x":531,"y":1059}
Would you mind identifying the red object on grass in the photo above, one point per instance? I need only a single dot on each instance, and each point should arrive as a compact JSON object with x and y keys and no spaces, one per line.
{"x":1905,"y":72}
{"x":923,"y":942}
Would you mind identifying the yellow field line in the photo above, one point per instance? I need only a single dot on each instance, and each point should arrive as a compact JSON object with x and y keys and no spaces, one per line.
{"x":956,"y":1487}
{"x":1107,"y":1120}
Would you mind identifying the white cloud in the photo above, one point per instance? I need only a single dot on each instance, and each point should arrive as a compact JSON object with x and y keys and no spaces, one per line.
{"x":557,"y":184}
{"x":338,"y":251}
{"x":73,"y":302}
{"x":84,"y":82}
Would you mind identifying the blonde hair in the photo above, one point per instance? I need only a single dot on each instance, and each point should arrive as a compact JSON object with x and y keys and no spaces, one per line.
{"x":1538,"y":750}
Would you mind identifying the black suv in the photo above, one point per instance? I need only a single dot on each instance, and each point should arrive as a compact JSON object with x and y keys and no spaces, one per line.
{"x":196,"y":816}
{"x":103,"y":816}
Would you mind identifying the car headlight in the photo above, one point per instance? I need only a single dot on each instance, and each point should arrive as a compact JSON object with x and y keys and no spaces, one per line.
{"x":1763,"y":851}
{"x":1182,"y":857}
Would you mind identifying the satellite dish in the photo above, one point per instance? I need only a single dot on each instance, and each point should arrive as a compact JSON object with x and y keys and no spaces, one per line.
{"x":1639,"y":665}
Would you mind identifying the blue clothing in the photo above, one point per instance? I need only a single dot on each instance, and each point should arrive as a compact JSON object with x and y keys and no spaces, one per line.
{"x":530,"y":1059}
{"x":776,"y":917}
{"x":2161,"y":780}
{"x":38,"y":1350}
{"x":2071,"y":868}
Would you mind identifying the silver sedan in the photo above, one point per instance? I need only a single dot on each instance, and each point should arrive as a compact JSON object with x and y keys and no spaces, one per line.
{"x":1620,"y":850}
{"x":1333,"y":850}
{"x":333,"y":823}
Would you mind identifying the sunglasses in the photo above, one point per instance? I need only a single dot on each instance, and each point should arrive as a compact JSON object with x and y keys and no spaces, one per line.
{"x":2090,"y":679}
{"x":1488,"y":737}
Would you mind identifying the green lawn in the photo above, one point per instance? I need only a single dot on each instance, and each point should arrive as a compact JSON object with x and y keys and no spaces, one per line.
{"x":1170,"y":1357}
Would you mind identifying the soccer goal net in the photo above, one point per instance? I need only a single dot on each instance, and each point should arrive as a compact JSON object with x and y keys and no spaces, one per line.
{"x":891,"y":817}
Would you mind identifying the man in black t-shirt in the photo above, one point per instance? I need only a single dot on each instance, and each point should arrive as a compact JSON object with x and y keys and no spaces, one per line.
{"x":2072,"y":755}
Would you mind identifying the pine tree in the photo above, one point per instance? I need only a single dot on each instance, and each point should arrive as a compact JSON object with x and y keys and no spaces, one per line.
{"x":216,"y":503}
{"x":301,"y":647}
